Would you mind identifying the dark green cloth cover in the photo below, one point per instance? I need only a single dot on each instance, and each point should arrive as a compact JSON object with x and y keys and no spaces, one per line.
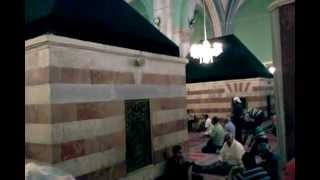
{"x":111,"y":22}
{"x":236,"y":62}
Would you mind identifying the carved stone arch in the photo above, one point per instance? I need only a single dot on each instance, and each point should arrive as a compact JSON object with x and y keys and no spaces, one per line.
{"x":241,"y":2}
{"x":231,"y":12}
{"x":214,"y":17}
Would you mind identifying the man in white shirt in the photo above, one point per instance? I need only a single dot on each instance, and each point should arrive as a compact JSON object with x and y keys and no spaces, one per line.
{"x":208,"y":125}
{"x":232,"y":150}
{"x":230,"y":156}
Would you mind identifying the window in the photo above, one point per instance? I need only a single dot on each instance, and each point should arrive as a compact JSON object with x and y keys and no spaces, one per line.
{"x":138,"y":134}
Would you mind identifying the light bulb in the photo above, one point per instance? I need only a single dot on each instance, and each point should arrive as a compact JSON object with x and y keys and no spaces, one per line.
{"x":272,"y":69}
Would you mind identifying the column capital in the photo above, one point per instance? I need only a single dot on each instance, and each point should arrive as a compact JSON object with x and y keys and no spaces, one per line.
{"x":278,"y":3}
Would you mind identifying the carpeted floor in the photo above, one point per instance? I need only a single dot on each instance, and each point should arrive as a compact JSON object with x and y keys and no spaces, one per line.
{"x":195,"y":142}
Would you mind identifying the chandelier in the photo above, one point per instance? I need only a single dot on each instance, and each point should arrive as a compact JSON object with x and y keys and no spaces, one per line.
{"x":205,"y":52}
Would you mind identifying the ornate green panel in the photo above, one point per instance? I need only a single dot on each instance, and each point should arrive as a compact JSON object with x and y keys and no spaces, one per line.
{"x":138,"y":134}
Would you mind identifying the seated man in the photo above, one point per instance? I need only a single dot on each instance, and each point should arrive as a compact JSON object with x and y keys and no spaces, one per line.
{"x":201,"y":123}
{"x":270,"y":161}
{"x":229,"y":127}
{"x":249,"y":171}
{"x":178,"y":168}
{"x":259,"y":136}
{"x":207,"y":125}
{"x":216,"y":137}
{"x":190,"y":119}
{"x":230,"y":154}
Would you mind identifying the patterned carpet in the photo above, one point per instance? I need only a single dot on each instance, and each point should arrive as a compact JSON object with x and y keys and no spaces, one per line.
{"x":196,"y":141}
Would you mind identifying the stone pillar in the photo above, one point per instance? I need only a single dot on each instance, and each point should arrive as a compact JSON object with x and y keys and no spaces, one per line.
{"x":180,"y":35}
{"x":162,"y":10}
{"x":182,"y":39}
{"x":283,"y":36}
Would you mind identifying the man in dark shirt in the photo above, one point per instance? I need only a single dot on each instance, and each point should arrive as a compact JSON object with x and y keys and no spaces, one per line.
{"x":251,"y":170}
{"x":270,"y":161}
{"x":178,"y":167}
{"x":237,"y":117}
{"x":260,"y":136}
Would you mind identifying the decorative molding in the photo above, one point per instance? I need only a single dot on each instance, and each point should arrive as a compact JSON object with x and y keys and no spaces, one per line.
{"x":221,"y":14}
{"x":53,"y":40}
{"x":139,"y":61}
{"x":231,"y":13}
{"x":214,"y":18}
{"x":278,"y":3}
{"x":157,"y":21}
{"x":194,"y":18}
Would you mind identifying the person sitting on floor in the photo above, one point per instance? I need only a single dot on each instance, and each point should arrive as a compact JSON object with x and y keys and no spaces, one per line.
{"x":190,"y":119}
{"x":207,"y":125}
{"x":259,"y":136}
{"x":230,"y":156}
{"x":201,"y":123}
{"x":269,"y":161}
{"x":178,"y":167}
{"x":229,"y":127}
{"x":216,"y":137}
{"x":232,"y":150}
{"x":250,"y":170}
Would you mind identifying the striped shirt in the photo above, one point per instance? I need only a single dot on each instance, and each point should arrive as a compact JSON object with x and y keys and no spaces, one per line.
{"x":253,"y":174}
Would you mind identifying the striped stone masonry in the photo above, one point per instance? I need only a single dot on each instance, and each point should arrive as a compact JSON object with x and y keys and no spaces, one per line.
{"x":214,"y":98}
{"x":75,"y":94}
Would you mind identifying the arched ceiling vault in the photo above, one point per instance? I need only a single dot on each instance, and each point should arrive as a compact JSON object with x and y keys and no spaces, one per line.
{"x":216,"y":22}
{"x":222,"y":13}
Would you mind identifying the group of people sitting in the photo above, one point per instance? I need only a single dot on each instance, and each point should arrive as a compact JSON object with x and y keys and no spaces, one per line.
{"x":216,"y":132}
{"x":227,"y":137}
{"x":234,"y":163}
{"x":237,"y":163}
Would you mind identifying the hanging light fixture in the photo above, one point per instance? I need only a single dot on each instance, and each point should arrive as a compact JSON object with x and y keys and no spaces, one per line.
{"x":205,"y":52}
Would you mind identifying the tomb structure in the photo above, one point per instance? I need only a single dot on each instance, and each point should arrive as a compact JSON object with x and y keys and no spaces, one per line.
{"x":97,"y":106}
